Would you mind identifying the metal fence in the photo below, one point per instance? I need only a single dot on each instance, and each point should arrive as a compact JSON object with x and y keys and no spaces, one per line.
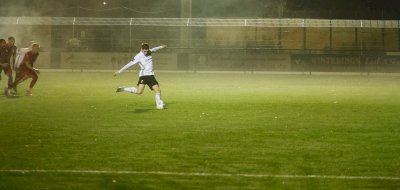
{"x":201,"y":22}
{"x":214,"y":44}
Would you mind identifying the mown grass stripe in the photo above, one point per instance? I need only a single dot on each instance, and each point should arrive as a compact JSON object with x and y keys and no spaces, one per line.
{"x":167,"y":173}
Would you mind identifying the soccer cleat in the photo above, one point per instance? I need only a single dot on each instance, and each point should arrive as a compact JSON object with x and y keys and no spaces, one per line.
{"x":6,"y":92}
{"x":14,"y":91}
{"x":120,"y":89}
{"x":29,"y":93}
{"x":161,"y":105}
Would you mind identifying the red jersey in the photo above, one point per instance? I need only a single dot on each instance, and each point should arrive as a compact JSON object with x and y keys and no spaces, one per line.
{"x":4,"y":55}
{"x":30,"y":58}
{"x":12,"y":50}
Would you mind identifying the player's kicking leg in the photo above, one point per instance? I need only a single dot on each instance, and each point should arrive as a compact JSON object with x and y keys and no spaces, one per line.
{"x":135,"y":90}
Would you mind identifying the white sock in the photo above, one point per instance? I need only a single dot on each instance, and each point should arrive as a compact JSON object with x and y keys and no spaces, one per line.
{"x":130,"y":89}
{"x":158,"y":98}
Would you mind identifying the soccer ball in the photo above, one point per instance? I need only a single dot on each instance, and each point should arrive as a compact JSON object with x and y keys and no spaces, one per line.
{"x":161,"y":106}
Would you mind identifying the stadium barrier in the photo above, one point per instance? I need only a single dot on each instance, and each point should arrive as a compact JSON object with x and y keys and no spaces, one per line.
{"x":213,"y":44}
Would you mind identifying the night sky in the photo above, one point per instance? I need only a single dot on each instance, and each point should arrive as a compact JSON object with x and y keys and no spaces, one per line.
{"x":327,"y":9}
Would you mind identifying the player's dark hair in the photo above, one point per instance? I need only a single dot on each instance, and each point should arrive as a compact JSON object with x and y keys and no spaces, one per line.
{"x":11,"y":38}
{"x":2,"y":40}
{"x":145,"y":46}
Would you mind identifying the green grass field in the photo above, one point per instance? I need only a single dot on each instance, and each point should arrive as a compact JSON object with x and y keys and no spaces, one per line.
{"x":220,"y":131}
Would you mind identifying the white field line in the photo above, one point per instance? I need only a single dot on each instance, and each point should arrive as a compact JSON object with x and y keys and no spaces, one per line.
{"x":166,"y":173}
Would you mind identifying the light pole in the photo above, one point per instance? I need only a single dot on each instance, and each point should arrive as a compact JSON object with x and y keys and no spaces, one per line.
{"x":185,"y":35}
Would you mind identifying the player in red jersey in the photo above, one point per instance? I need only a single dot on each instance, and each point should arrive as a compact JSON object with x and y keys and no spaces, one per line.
{"x":12,"y":50}
{"x":5,"y":64}
{"x":26,"y":70}
{"x":3,"y":55}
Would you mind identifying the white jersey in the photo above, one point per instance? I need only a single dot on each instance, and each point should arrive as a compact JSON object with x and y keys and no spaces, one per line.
{"x":145,"y":63}
{"x":20,"y":56}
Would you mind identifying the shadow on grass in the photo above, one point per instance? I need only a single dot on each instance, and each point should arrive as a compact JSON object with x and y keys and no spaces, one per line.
{"x":142,"y":110}
{"x":12,"y":97}
{"x":146,"y":109}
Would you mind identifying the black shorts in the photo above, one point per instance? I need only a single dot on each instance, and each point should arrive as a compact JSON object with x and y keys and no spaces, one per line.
{"x":149,"y":80}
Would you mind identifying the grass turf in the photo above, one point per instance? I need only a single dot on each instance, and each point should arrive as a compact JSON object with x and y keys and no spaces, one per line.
{"x":215,"y":123}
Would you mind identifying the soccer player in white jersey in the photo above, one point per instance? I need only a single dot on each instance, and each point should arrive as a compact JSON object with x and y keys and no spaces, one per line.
{"x":146,"y":73}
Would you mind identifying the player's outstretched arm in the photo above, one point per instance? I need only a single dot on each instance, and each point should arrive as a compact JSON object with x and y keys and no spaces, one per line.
{"x":130,"y":64}
{"x":154,"y":49}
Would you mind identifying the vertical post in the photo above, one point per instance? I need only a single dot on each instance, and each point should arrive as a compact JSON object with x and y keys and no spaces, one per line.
{"x":304,"y":38}
{"x":306,"y":53}
{"x":130,"y":35}
{"x":73,"y":48}
{"x":56,"y":44}
{"x":73,"y":28}
{"x":330,"y":36}
{"x":356,"y":39}
{"x":186,"y":12}
{"x":185,"y":35}
{"x":383,"y":39}
{"x":280,"y":38}
{"x":282,"y":5}
{"x":330,"y":30}
{"x":383,"y":32}
{"x":398,"y":39}
{"x":304,"y":30}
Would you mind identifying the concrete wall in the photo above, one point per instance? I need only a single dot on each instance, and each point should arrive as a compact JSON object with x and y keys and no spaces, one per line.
{"x":391,"y":39}
{"x":316,"y":38}
{"x":240,"y":62}
{"x":292,"y":38}
{"x":100,"y":60}
{"x":43,"y":61}
{"x":343,"y":38}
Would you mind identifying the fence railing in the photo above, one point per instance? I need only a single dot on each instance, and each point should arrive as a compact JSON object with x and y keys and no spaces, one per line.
{"x":201,"y":22}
